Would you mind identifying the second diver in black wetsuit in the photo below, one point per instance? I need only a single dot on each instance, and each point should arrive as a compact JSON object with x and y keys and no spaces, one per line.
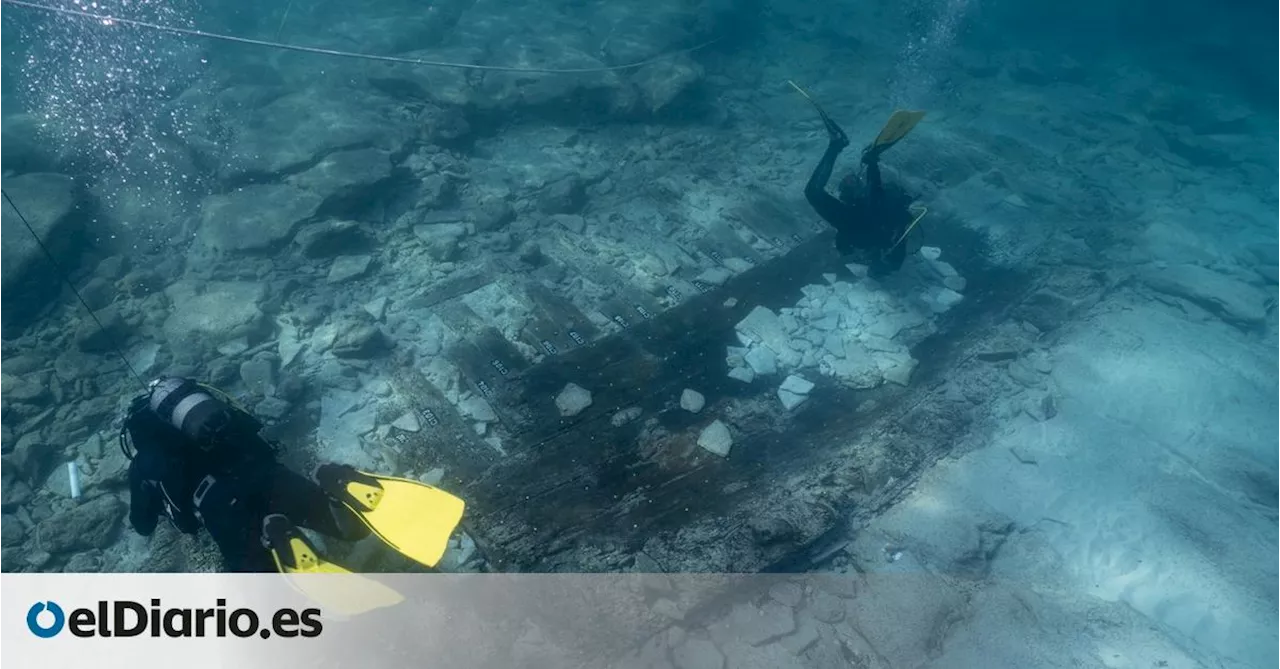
{"x":871,"y":217}
{"x":201,"y":460}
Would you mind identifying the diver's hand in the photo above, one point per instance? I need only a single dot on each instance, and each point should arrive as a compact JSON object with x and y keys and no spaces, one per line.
{"x":835,"y":136}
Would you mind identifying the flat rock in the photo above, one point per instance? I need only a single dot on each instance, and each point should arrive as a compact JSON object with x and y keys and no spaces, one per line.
{"x":377,"y":308}
{"x":273,"y":408}
{"x":442,"y":240}
{"x":53,"y":205}
{"x":898,"y":369}
{"x":796,"y":384}
{"x":13,"y":492}
{"x":299,"y":129}
{"x":218,"y":310}
{"x":1045,"y":309}
{"x":789,"y":399}
{"x":787,"y":593}
{"x":761,"y":360}
{"x":697,"y":654}
{"x":360,"y":340}
{"x":27,"y":149}
{"x":858,"y":369}
{"x":346,"y":179}
{"x":692,"y":400}
{"x":899,"y":613}
{"x":30,"y":388}
{"x":492,"y":215}
{"x":12,"y":533}
{"x":330,"y":238}
{"x":503,"y":90}
{"x":407,"y":422}
{"x":346,"y":268}
{"x":661,"y":83}
{"x":1232,"y":300}
{"x":92,"y":524}
{"x":259,"y":374}
{"x":743,"y":374}
{"x":478,"y":409}
{"x":826,"y":607}
{"x":346,"y":416}
{"x":716,"y":438}
{"x":572,"y":400}
{"x":763,"y":326}
{"x":943,"y":299}
{"x":255,"y":218}
{"x":755,"y":625}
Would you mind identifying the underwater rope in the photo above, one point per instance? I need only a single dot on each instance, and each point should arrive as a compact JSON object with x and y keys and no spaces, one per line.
{"x":108,"y":20}
{"x":66,"y":278}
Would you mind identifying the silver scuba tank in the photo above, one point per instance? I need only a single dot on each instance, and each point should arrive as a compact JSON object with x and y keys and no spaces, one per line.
{"x":190,"y":409}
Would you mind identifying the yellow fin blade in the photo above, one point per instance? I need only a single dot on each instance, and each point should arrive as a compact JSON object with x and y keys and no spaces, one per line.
{"x":335,"y":589}
{"x":898,"y":126}
{"x":414,"y":518}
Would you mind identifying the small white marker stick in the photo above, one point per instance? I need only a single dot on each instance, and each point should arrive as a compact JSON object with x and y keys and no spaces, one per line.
{"x":73,"y":476}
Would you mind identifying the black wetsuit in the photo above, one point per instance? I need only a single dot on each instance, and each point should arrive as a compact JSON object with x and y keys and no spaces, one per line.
{"x":872,"y":222}
{"x":227,"y":487}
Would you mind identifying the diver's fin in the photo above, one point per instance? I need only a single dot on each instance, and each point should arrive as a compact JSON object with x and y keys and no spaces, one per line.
{"x":336,"y":589}
{"x":826,"y":120}
{"x":898,"y":126}
{"x":411,"y":517}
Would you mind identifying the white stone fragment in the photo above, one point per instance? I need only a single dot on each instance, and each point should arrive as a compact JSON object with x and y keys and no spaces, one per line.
{"x":762,"y":325}
{"x":797,"y":384}
{"x":790,"y":400}
{"x":407,"y":422}
{"x":761,"y":360}
{"x":478,"y":409}
{"x":716,"y":438}
{"x":573,"y":400}
{"x":743,"y":374}
{"x":692,"y":400}
{"x":716,"y":276}
{"x":625,"y":416}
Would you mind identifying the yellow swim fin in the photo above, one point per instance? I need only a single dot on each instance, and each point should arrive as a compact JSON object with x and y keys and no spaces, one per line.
{"x":898,"y":126}
{"x":411,"y":517}
{"x":334,"y":588}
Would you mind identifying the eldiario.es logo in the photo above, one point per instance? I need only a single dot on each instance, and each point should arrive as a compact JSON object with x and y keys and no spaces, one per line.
{"x":124,"y":618}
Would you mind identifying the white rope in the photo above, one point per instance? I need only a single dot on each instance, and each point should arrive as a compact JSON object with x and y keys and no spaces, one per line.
{"x":107,"y":20}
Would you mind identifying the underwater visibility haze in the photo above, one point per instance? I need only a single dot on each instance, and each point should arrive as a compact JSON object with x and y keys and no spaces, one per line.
{"x":968,"y":303}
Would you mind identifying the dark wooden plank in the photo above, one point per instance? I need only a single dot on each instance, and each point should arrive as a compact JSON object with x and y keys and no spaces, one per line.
{"x":581,"y":493}
{"x":460,"y":318}
{"x":445,"y":437}
{"x":560,"y":310}
{"x":546,"y":335}
{"x":597,"y":479}
{"x":502,"y":355}
{"x":782,"y":223}
{"x":453,"y":287}
{"x":722,"y":242}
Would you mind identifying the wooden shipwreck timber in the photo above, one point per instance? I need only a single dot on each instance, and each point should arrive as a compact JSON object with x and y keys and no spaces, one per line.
{"x":590,"y":492}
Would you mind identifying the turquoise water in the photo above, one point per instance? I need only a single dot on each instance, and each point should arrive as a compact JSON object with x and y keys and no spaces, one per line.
{"x":557,"y":258}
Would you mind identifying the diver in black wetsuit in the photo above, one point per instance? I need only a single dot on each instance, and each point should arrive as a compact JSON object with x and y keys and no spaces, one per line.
{"x":201,"y":461}
{"x":870,"y":216}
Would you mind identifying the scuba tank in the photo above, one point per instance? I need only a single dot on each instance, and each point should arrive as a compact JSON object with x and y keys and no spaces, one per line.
{"x":187,"y":407}
{"x":205,"y":419}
